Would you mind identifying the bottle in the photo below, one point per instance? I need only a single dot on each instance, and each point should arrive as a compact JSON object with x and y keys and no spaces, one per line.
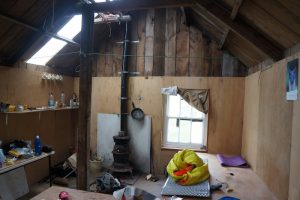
{"x":2,"y":158}
{"x":51,"y":100}
{"x":37,"y":146}
{"x":62,"y":99}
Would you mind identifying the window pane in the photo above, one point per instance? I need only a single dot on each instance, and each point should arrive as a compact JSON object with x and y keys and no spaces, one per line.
{"x":173,"y":106}
{"x":173,"y":131}
{"x":197,"y":132}
{"x":185,"y":130}
{"x":197,"y":114}
{"x":185,"y":109}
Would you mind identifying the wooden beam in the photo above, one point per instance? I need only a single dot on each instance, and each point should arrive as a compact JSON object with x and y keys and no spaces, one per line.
{"x":130,"y":5}
{"x":240,"y":28}
{"x":26,"y":25}
{"x":85,"y":91}
{"x":207,"y":27}
{"x":223,"y":39}
{"x":235,"y":9}
{"x":60,"y":12}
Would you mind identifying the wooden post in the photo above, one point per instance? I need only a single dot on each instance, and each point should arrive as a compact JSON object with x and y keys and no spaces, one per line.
{"x":85,"y":90}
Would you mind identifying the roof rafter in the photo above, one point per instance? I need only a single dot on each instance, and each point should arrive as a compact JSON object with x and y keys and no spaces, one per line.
{"x":130,"y":5}
{"x":60,"y":12}
{"x":223,"y":39}
{"x":220,"y":14}
{"x":235,"y":9}
{"x":26,"y":25}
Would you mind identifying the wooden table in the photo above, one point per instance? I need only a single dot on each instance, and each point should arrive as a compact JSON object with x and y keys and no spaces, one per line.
{"x":22,"y":162}
{"x":245,"y":183}
{"x":53,"y":192}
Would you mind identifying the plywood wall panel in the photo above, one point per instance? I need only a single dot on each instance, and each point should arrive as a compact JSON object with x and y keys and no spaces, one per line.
{"x":251,"y":118}
{"x":225,"y":121}
{"x":274,"y":142}
{"x":226,"y":115}
{"x":105,"y":99}
{"x":294,"y":182}
{"x":21,"y":86}
{"x":56,"y":128}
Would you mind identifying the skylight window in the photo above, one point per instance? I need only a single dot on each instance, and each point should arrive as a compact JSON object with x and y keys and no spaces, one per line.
{"x":53,"y":46}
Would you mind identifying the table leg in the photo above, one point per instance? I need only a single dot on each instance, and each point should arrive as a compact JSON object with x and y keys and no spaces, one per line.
{"x":50,"y":175}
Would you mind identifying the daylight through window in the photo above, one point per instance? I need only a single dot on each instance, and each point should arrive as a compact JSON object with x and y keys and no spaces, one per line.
{"x":184,"y":126}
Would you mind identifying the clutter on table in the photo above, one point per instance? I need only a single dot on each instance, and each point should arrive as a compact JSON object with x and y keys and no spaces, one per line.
{"x":20,"y":149}
{"x":2,"y":156}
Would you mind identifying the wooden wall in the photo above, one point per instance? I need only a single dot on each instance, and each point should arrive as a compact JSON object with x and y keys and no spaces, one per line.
{"x":276,"y":159}
{"x":22,"y":86}
{"x":225,"y":117}
{"x":250,"y":122}
{"x":167,"y":47}
{"x":56,"y":128}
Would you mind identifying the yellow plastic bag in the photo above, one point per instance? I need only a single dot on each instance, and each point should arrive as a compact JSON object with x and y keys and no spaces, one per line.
{"x":187,"y":168}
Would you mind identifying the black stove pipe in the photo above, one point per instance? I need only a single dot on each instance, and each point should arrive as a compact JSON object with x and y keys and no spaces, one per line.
{"x":124,"y":83}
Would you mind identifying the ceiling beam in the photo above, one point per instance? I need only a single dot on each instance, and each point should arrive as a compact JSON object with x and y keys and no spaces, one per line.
{"x":26,"y":25}
{"x":235,"y":9}
{"x":216,"y":12}
{"x":130,"y":5}
{"x":223,"y":39}
{"x":60,"y":12}
{"x":206,"y":27}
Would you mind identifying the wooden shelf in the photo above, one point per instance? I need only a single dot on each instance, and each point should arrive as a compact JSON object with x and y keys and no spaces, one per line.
{"x":41,"y":110}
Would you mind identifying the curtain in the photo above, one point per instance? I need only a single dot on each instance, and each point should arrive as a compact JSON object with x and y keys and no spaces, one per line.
{"x":198,"y":98}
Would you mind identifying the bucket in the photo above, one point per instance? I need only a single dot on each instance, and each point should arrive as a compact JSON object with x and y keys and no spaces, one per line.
{"x":95,"y":166}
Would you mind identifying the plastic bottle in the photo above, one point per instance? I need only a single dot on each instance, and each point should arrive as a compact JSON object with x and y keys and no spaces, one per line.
{"x":2,"y":158}
{"x":51,"y":101}
{"x":37,"y":146}
{"x":62,"y":99}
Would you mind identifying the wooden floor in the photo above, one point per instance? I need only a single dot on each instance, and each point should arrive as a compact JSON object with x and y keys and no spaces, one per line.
{"x":246,"y":185}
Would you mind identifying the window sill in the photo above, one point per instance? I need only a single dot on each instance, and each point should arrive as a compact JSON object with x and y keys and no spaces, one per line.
{"x":181,"y":148}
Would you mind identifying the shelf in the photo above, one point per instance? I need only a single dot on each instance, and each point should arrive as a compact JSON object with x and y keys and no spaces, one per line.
{"x":41,"y":110}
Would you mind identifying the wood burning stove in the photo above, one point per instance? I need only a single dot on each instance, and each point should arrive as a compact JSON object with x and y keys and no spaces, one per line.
{"x":121,"y":148}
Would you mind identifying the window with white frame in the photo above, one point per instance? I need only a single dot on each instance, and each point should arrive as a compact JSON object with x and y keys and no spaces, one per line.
{"x":184,"y":126}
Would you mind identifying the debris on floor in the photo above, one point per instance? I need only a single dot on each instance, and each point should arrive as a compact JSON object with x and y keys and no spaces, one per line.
{"x":151,"y":177}
{"x":106,"y":183}
{"x":131,"y":192}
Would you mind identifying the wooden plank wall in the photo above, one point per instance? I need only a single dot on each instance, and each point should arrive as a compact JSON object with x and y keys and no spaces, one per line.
{"x":167,"y":47}
{"x":276,"y":159}
{"x":21,"y":86}
{"x":225,"y":122}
